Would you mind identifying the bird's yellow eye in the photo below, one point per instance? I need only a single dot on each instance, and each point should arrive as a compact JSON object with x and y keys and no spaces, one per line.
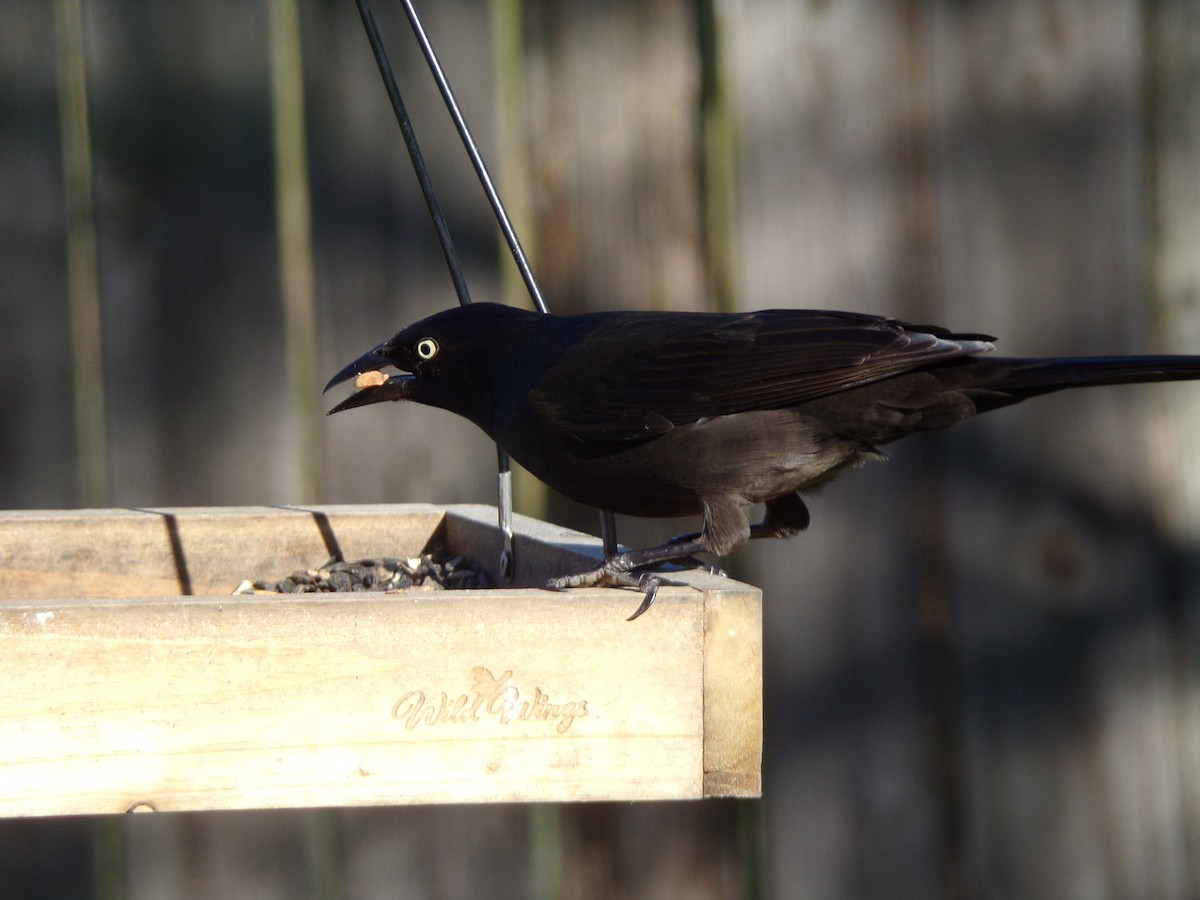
{"x":427,"y":348}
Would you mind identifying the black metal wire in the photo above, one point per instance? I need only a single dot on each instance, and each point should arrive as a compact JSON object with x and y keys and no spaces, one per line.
{"x":504,"y":475}
{"x":481,"y":170}
{"x":504,"y":465}
{"x":414,"y":153}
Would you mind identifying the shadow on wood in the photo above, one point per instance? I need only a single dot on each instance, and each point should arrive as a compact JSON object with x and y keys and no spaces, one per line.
{"x":136,"y":682}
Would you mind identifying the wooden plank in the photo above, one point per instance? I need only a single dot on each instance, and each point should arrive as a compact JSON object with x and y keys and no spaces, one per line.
{"x":733,"y":674}
{"x":213,"y":704}
{"x":733,"y":726}
{"x":153,"y":553}
{"x":181,"y":702}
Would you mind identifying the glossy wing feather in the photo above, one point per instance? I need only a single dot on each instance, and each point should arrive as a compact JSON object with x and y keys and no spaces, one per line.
{"x":641,"y":379}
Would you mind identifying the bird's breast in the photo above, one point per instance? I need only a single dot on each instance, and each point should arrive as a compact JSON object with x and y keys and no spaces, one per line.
{"x":748,"y":457}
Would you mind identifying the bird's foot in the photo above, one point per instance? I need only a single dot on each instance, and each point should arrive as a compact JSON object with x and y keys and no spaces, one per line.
{"x":614,"y":573}
{"x":620,"y":570}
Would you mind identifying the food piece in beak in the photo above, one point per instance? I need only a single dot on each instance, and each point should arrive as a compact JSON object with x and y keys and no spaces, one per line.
{"x":373,"y":378}
{"x":376,"y":387}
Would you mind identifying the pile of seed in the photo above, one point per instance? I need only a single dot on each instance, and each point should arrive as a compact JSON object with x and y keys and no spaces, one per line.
{"x":428,"y":572}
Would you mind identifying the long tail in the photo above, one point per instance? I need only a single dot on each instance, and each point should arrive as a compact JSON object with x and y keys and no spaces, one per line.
{"x":1016,"y":379}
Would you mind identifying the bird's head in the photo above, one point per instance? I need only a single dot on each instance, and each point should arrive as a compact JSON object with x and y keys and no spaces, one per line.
{"x":453,"y":360}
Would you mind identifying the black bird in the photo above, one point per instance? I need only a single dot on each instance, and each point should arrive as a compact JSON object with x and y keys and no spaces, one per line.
{"x":670,"y":414}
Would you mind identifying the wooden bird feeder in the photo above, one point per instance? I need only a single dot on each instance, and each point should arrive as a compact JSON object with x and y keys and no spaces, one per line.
{"x":134,"y":681}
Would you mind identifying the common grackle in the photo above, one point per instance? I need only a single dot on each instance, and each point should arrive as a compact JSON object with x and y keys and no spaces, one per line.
{"x":670,"y":414}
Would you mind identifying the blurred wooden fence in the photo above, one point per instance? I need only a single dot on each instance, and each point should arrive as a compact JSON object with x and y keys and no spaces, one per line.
{"x":982,"y":663}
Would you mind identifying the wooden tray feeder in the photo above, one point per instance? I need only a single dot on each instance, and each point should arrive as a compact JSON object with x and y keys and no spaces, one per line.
{"x":134,"y":681}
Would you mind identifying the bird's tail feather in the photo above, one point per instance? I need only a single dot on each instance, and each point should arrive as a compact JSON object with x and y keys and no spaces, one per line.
{"x":1018,"y":379}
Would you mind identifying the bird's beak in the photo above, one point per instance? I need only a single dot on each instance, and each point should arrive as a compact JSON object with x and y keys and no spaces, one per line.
{"x":396,"y":387}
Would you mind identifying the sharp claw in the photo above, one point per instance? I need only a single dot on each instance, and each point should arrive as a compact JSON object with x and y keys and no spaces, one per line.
{"x":613,"y":573}
{"x":650,"y":585}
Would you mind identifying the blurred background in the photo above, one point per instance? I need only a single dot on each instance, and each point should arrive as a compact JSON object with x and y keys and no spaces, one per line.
{"x":982,"y":670}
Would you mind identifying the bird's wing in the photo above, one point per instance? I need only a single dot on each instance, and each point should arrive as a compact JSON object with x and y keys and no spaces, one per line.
{"x":637,"y":376}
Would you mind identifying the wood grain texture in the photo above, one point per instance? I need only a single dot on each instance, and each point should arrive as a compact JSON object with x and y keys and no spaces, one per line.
{"x":204,"y":702}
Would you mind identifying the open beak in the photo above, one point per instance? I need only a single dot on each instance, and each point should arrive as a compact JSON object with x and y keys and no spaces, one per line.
{"x":396,"y":387}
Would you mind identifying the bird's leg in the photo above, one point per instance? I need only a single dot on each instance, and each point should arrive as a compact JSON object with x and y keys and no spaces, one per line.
{"x":682,"y":538}
{"x":608,"y":531}
{"x":691,"y":562}
{"x":784,"y":517}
